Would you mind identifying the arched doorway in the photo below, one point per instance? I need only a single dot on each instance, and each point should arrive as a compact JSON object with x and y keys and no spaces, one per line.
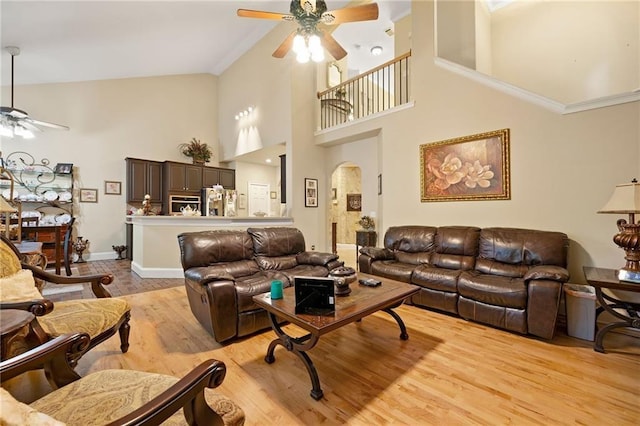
{"x":346,"y":208}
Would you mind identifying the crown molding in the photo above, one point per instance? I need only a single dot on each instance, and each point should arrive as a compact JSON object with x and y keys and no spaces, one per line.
{"x":535,"y":98}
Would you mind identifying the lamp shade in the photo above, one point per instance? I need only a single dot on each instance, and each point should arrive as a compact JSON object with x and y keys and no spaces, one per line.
{"x":5,"y":207}
{"x":625,"y":199}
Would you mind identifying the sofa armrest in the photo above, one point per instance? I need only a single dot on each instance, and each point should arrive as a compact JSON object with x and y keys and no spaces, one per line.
{"x":206,"y":274}
{"x":377,"y":253}
{"x":315,"y":258}
{"x":547,"y":272}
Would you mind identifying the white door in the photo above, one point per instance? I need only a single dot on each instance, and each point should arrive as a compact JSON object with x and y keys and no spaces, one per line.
{"x":258,"y":198}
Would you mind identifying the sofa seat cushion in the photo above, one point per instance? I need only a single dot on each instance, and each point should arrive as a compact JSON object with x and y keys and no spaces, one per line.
{"x":107,"y":395}
{"x":493,"y":290}
{"x":436,"y":278}
{"x":394,"y":270}
{"x":98,"y":315}
{"x":247,"y":287}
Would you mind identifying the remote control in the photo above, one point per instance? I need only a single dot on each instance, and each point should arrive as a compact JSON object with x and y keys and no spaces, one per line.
{"x":370,"y":282}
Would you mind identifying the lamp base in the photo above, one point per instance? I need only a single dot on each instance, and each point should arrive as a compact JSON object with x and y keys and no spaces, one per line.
{"x":630,"y":276}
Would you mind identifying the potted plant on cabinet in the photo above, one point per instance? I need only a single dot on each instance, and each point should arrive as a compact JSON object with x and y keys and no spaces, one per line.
{"x":199,"y":152}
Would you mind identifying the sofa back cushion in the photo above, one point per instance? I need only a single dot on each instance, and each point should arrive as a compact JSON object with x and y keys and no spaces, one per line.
{"x":276,"y":241}
{"x":410,"y":239}
{"x":511,"y":252}
{"x":456,"y":247}
{"x":206,"y":248}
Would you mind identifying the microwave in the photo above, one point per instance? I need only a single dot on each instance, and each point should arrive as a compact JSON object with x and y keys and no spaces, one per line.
{"x":177,"y":203}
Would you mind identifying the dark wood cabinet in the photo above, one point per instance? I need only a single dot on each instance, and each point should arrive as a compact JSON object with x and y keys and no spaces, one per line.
{"x":181,"y":177}
{"x":210,"y":177}
{"x":228,"y":178}
{"x":218,"y":176}
{"x":143,"y":177}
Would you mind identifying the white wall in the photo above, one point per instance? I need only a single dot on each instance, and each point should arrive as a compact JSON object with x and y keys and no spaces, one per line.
{"x":570,"y":51}
{"x":111,"y":120}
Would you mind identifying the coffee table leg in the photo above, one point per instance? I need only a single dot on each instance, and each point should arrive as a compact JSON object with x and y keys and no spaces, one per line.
{"x":299,"y":346}
{"x":403,"y":328}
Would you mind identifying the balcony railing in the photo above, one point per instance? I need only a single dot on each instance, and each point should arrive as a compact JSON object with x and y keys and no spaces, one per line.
{"x":377,"y":90}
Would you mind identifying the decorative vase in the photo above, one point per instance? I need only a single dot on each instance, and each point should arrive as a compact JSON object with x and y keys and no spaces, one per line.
{"x":342,"y":277}
{"x":80,"y":245}
{"x":198,"y":162}
{"x":119,"y":250}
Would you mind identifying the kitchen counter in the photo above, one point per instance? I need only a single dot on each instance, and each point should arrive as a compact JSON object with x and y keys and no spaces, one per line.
{"x":155,"y":251}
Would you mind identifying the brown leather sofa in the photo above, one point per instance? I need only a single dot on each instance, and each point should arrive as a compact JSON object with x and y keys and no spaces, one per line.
{"x":224,"y":269}
{"x":505,"y":277}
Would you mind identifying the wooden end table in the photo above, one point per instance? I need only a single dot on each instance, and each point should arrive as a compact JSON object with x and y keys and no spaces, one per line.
{"x":362,"y":301}
{"x":19,"y":332}
{"x":602,"y":278}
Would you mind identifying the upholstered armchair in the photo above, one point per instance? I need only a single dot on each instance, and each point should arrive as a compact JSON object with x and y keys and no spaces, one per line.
{"x":99,"y":318}
{"x":118,"y":397}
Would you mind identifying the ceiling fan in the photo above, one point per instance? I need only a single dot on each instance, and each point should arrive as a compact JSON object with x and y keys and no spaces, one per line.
{"x":14,"y":121}
{"x":307,"y":41}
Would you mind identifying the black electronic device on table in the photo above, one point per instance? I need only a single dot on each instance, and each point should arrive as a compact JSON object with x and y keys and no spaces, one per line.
{"x":314,"y":295}
{"x":369,"y":282}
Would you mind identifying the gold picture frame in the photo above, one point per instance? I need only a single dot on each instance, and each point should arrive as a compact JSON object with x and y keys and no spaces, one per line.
{"x":468,"y":168}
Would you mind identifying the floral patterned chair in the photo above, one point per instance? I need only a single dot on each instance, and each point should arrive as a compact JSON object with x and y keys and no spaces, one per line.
{"x":118,"y":397}
{"x":100,"y":318}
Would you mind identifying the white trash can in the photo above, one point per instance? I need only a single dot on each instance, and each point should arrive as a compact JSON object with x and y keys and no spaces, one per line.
{"x":581,"y":311}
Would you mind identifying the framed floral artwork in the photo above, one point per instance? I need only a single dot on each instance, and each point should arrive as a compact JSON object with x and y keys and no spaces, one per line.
{"x":474,"y":167}
{"x":88,"y":195}
{"x":112,"y":187}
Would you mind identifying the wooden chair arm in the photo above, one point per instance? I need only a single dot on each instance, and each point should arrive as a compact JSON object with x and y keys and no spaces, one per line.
{"x":52,"y":355}
{"x":37,"y":307}
{"x":97,"y":281}
{"x":188,"y":394}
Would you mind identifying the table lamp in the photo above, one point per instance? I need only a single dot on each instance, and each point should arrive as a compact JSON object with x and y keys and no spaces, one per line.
{"x":626,"y":200}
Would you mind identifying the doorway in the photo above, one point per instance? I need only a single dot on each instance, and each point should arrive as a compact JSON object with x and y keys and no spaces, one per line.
{"x":346,"y":202}
{"x":258,"y":199}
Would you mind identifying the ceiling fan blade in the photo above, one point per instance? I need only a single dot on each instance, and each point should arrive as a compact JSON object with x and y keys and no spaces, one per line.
{"x":29,"y":126}
{"x":333,"y":47}
{"x":285,"y":46}
{"x":366,"y":12}
{"x":247,"y":13}
{"x":32,"y":121}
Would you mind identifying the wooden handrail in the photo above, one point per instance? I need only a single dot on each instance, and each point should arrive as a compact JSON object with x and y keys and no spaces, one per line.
{"x":360,"y":76}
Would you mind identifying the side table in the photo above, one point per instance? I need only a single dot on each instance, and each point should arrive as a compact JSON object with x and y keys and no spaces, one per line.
{"x":364,"y":239}
{"x":602,"y":278}
{"x":19,"y":332}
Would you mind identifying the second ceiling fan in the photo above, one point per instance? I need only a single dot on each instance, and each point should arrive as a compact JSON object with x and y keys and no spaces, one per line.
{"x":308,"y":40}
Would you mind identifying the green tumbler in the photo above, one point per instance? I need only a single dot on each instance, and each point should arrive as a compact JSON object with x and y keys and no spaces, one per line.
{"x":276,"y":289}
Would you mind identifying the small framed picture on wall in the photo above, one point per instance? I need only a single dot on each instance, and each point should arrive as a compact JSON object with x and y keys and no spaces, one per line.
{"x":310,"y":192}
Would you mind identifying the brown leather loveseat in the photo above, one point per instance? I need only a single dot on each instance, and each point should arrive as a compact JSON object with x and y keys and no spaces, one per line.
{"x":505,"y":277}
{"x":224,"y":269}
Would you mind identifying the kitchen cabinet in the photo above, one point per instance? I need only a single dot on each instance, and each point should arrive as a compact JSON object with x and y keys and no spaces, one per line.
{"x":144,"y":177}
{"x":228,"y":178}
{"x":182,"y":177}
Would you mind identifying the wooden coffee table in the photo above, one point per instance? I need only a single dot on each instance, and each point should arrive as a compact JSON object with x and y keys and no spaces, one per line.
{"x":361,"y":302}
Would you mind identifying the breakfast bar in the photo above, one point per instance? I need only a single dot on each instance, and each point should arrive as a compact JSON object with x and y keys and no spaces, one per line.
{"x":155,"y":252}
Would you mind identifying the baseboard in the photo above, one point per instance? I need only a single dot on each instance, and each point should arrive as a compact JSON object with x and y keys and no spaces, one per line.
{"x":156,"y":272}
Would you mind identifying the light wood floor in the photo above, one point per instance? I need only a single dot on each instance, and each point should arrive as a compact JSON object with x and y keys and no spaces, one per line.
{"x":450,"y":371}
